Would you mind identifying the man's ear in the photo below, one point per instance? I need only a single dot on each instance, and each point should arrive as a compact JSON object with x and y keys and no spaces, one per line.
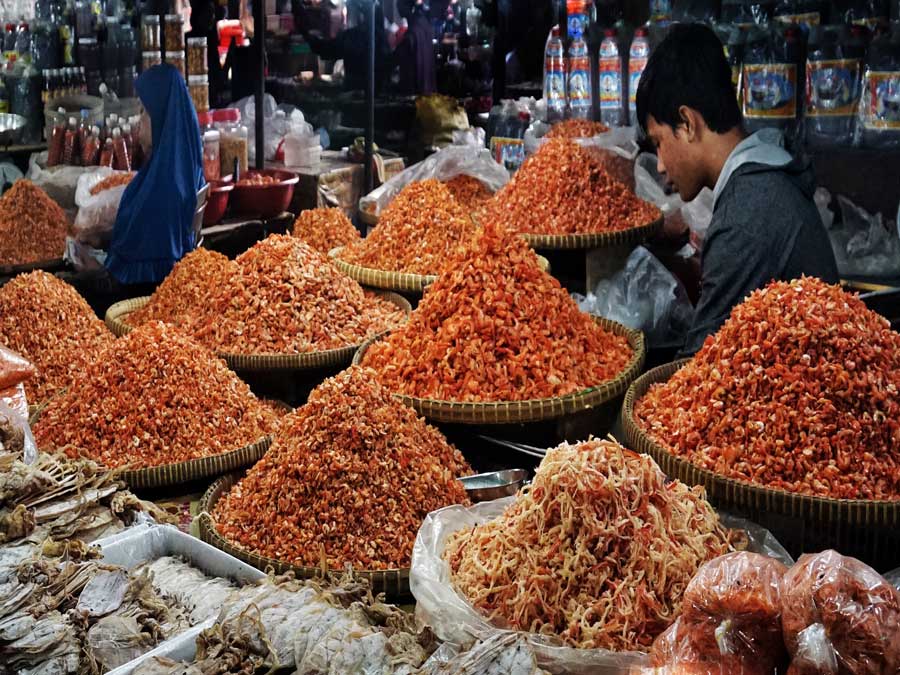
{"x":692,"y":122}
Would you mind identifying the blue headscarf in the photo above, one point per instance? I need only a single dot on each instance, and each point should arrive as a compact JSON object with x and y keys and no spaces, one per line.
{"x":153,"y":227}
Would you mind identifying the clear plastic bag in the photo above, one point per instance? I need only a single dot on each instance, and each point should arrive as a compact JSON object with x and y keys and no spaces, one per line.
{"x":643,"y":295}
{"x":864,"y":244}
{"x":446,"y":163}
{"x":840,"y":616}
{"x":14,"y":368}
{"x":96,"y":213}
{"x":15,"y":432}
{"x":453,"y":619}
{"x":59,"y":182}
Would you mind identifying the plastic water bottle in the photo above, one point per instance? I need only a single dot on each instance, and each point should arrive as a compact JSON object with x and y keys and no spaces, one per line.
{"x":879,"y":109}
{"x":555,"y":76}
{"x":579,"y":79}
{"x":611,"y":77}
{"x":637,"y":61}
{"x":833,"y":72}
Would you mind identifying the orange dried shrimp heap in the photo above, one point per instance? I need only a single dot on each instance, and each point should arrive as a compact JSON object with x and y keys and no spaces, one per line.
{"x":115,"y":180}
{"x":184,"y":294}
{"x":153,"y":397}
{"x":597,"y":550}
{"x":495,"y":327}
{"x":470,"y":192}
{"x":32,"y":226}
{"x":565,"y":189}
{"x":325,"y":229}
{"x":47,"y":322}
{"x":348,"y":480}
{"x":416,"y":233}
{"x":287,"y":298}
{"x":799,"y":390}
{"x":576,"y":128}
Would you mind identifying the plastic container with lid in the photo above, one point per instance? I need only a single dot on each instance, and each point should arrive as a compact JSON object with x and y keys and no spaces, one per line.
{"x":176,"y":60}
{"x":212,"y":168}
{"x":198,"y":87}
{"x":150,"y":33}
{"x":196,"y":56}
{"x":150,"y":59}
{"x":174,"y":37}
{"x":234,"y":144}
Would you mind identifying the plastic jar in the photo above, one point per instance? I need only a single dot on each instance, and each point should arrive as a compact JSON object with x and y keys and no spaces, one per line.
{"x":150,"y":33}
{"x":150,"y":59}
{"x":198,"y":86}
{"x":233,"y":141}
{"x":176,"y":60}
{"x":196,"y":56}
{"x":174,"y":32}
{"x":212,"y":167}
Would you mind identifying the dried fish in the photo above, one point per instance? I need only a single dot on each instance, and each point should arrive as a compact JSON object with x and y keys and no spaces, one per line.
{"x":199,"y":594}
{"x":503,"y":654}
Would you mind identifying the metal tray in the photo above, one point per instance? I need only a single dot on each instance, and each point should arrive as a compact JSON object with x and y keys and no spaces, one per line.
{"x":485,"y":487}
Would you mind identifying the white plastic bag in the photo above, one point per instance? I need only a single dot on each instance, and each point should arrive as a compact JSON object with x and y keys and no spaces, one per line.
{"x":864,"y":244}
{"x":453,"y":160}
{"x":84,"y":257}
{"x":59,"y":182}
{"x":278,"y":122}
{"x":96,"y":213}
{"x":643,"y":295}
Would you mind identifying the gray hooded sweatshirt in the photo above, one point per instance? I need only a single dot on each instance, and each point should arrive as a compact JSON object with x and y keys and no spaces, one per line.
{"x":765,"y":226}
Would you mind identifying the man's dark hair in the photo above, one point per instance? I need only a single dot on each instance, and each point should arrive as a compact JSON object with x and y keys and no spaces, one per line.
{"x":688,"y":68}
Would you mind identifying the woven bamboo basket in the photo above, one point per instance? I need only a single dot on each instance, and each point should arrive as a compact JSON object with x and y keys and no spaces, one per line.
{"x":394,"y":583}
{"x":533,"y":410}
{"x":866,"y":529}
{"x":259,"y":362}
{"x":401,"y":282}
{"x":569,"y":242}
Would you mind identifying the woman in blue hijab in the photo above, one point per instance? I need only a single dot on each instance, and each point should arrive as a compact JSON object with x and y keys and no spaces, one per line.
{"x":153,"y":227}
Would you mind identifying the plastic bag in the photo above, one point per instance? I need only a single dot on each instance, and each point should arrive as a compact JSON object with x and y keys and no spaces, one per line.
{"x":443,"y":165}
{"x":59,"y":182}
{"x":864,"y":244}
{"x":15,"y":432}
{"x":453,"y":619}
{"x":643,"y":295}
{"x":83,"y":257}
{"x":472,"y":137}
{"x":278,"y":122}
{"x":840,"y":616}
{"x":730,"y":618}
{"x":96,"y":213}
{"x":14,"y":368}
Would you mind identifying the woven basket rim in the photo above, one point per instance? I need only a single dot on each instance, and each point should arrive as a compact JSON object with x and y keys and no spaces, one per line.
{"x":260,"y":362}
{"x":21,"y":268}
{"x":886,"y":511}
{"x":531,"y":410}
{"x":209,"y":534}
{"x":563,"y":242}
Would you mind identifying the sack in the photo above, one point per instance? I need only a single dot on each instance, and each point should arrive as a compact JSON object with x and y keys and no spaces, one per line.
{"x":59,"y":182}
{"x":96,"y":213}
{"x":438,"y":117}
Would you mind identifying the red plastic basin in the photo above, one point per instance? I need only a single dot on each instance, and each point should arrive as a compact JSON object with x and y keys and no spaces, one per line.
{"x":217,"y":201}
{"x":265,"y":201}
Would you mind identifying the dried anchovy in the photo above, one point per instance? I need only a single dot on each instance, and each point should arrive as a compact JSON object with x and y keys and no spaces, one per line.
{"x":566,"y":189}
{"x":46,"y":321}
{"x":348,"y":480}
{"x":287,"y":298}
{"x":495,"y":327}
{"x":32,"y":226}
{"x":153,"y":397}
{"x":798,"y":390}
{"x":576,"y":128}
{"x":325,"y":229}
{"x":416,"y":233}
{"x":185,"y":292}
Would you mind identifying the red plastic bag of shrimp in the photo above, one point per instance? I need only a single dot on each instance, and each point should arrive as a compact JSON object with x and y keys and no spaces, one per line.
{"x":14,"y":368}
{"x":840,"y":617}
{"x":730,"y":621}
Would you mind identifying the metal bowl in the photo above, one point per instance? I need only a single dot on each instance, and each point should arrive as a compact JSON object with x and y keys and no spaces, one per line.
{"x":484,"y":487}
{"x":11,"y":128}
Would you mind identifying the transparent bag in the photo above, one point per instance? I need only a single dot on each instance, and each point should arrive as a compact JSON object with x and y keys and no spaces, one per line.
{"x":864,"y":244}
{"x":96,"y":213}
{"x":59,"y":182}
{"x":454,"y":160}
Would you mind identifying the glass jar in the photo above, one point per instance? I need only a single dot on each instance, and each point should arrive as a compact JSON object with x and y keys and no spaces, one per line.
{"x":174,"y":32}
{"x":196,"y":56}
{"x":233,"y":143}
{"x":212,"y":168}
{"x":150,"y":59}
{"x":176,"y":60}
{"x":198,"y":86}
{"x":150,"y":33}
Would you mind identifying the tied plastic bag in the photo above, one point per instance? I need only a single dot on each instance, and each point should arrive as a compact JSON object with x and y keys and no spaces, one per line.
{"x":59,"y":182}
{"x":14,"y":368}
{"x":278,"y":122}
{"x":454,"y":160}
{"x":864,"y":244}
{"x":96,"y":213}
{"x":839,"y":616}
{"x":643,"y":295}
{"x":15,"y":433}
{"x":453,"y":618}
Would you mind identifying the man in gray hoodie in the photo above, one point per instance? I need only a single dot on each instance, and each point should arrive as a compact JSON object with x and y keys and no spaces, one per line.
{"x":765,"y":224}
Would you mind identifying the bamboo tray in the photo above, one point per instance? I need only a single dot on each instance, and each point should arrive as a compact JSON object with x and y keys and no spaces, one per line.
{"x":533,"y":410}
{"x":394,"y":583}
{"x":402,"y":282}
{"x":331,"y":358}
{"x":865,"y":529}
{"x":569,"y":242}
